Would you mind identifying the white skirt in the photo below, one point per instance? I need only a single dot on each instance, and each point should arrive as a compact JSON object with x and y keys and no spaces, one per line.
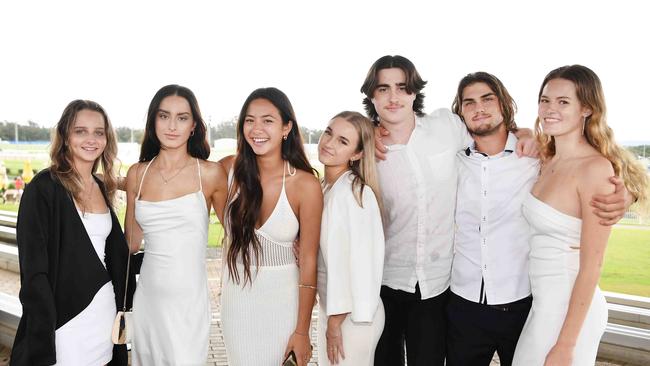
{"x":259,"y":318}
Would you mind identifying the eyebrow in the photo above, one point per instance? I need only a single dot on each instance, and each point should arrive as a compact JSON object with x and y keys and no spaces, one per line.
{"x":263,"y":116}
{"x":560,"y":97}
{"x":481,"y":97}
{"x":168,"y":112}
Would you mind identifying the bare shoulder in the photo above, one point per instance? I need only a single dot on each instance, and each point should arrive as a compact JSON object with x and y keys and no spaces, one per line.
{"x":212,"y":169}
{"x":227,"y":163}
{"x":306,"y":181}
{"x":593,"y":174}
{"x":133,"y":175}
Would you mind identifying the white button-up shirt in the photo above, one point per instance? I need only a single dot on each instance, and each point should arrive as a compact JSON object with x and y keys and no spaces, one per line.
{"x":492,"y":237}
{"x":418,"y":185}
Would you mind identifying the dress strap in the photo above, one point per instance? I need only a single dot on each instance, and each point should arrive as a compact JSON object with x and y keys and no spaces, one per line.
{"x":198,"y":166}
{"x":143,"y":174}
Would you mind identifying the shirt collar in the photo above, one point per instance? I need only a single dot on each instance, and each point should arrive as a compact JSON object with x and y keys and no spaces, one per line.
{"x":511,"y":145}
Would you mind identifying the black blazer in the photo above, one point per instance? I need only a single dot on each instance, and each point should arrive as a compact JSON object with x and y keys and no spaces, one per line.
{"x":60,"y":272}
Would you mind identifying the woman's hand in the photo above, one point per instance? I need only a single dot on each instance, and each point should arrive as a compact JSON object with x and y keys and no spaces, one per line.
{"x":335,"y":351}
{"x":559,"y":355}
{"x":301,"y":346}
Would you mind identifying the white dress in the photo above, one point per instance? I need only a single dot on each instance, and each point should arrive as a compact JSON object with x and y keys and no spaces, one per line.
{"x":258,"y":318}
{"x":86,"y":338}
{"x":171,"y":306}
{"x":554,"y":266}
{"x":350,"y":268}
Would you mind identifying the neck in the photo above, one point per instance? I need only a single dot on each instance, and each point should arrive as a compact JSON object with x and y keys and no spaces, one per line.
{"x":399,"y":132}
{"x":169,"y":159}
{"x":569,"y":145}
{"x":332,"y":173}
{"x":85,"y":170}
{"x":267,"y":164}
{"x":492,"y":144}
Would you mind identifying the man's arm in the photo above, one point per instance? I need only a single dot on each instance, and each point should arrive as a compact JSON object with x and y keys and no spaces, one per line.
{"x":610,"y":208}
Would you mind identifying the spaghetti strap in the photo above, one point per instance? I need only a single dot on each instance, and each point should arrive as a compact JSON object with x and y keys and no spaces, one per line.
{"x":198,"y":166}
{"x":143,"y":174}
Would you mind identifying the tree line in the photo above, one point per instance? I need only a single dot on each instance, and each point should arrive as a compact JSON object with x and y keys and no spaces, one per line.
{"x":33,"y":132}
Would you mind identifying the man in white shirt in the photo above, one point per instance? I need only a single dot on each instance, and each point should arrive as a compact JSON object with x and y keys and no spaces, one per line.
{"x":418,"y":184}
{"x":490,"y":290}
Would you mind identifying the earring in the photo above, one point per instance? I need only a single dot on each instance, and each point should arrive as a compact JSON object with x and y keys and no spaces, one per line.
{"x":284,"y":137}
{"x":584,"y":122}
{"x":351,"y":163}
{"x":192,"y":133}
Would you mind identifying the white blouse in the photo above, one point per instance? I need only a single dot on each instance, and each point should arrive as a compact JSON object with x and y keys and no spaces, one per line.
{"x":351,"y":255}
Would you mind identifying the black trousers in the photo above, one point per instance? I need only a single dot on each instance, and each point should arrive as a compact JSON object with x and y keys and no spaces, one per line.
{"x":422,"y":324}
{"x":476,"y":331}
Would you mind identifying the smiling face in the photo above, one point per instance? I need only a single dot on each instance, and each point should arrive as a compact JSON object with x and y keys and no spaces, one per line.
{"x":481,"y":110}
{"x":559,"y":110}
{"x":338,"y":144}
{"x":174,"y":122}
{"x":87,"y":138}
{"x":392,"y":102}
{"x":263,"y":127}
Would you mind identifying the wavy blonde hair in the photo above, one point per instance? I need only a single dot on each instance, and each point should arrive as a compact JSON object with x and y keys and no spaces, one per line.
{"x":364,"y":169}
{"x":62,"y":166}
{"x":589,"y":91}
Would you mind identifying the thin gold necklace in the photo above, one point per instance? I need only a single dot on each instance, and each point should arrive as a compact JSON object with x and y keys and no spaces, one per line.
{"x":167,"y":180}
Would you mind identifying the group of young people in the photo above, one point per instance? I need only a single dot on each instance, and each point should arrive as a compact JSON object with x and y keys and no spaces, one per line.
{"x":430,"y":253}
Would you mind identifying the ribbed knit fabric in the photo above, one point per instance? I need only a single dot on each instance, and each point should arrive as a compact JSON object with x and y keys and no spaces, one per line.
{"x":259,"y":317}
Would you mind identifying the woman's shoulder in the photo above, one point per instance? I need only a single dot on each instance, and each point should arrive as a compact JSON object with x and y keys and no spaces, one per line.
{"x":593,"y":173}
{"x":212,"y":169}
{"x":306,"y":180}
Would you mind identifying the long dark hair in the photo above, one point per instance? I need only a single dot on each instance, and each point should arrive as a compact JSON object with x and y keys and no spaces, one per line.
{"x":508,"y":105}
{"x":414,"y":83}
{"x":244,"y":210}
{"x":197,"y":146}
{"x":62,"y":166}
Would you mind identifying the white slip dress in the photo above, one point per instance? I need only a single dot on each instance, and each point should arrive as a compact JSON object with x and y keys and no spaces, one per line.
{"x":258,"y":318}
{"x":171,"y":306}
{"x":86,"y":338}
{"x":554,"y":265}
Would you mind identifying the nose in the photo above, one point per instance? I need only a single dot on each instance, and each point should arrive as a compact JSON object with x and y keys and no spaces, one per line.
{"x":393,"y":95}
{"x":172,"y":125}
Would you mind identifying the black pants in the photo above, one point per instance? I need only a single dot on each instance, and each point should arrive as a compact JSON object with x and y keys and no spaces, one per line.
{"x":422,"y":324}
{"x":476,"y":331}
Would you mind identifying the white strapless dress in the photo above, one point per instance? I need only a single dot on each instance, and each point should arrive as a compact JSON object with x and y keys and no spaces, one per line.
{"x":554,"y":265}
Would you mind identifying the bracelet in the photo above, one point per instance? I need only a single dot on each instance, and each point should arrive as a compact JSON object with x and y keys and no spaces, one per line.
{"x":301,"y":334}
{"x":307,"y":286}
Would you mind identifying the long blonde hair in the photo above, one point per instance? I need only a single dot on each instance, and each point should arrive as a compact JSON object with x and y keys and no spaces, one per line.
{"x":589,"y":91}
{"x":364,"y":169}
{"x":62,"y":166}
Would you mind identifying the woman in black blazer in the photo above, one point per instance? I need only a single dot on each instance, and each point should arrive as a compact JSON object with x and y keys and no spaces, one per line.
{"x":72,"y":251}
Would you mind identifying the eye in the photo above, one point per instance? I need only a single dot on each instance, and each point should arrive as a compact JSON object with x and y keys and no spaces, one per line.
{"x":162,"y":116}
{"x":327,"y":132}
{"x":183,"y":118}
{"x":99,"y":133}
{"x":268,"y":121}
{"x":468,"y":103}
{"x":543,"y":100}
{"x":382,"y":89}
{"x":564,"y":102}
{"x":402,"y":87}
{"x":248,"y":120}
{"x":488,"y":99}
{"x":79,"y":131}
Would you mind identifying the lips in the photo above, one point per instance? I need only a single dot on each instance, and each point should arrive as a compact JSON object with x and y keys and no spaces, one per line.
{"x":393,"y":108}
{"x":481,"y":117}
{"x":259,"y":140}
{"x":171,"y":136}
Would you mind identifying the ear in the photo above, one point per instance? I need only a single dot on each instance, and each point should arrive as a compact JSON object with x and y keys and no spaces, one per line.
{"x":357,"y":156}
{"x":287,"y":127}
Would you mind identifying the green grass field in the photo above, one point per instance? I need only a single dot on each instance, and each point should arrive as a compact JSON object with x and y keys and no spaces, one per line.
{"x":627,"y":260}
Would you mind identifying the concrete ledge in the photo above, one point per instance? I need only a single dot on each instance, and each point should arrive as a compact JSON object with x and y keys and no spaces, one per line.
{"x":8,"y":234}
{"x":10,"y":312}
{"x":9,"y":257}
{"x":621,"y":343}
